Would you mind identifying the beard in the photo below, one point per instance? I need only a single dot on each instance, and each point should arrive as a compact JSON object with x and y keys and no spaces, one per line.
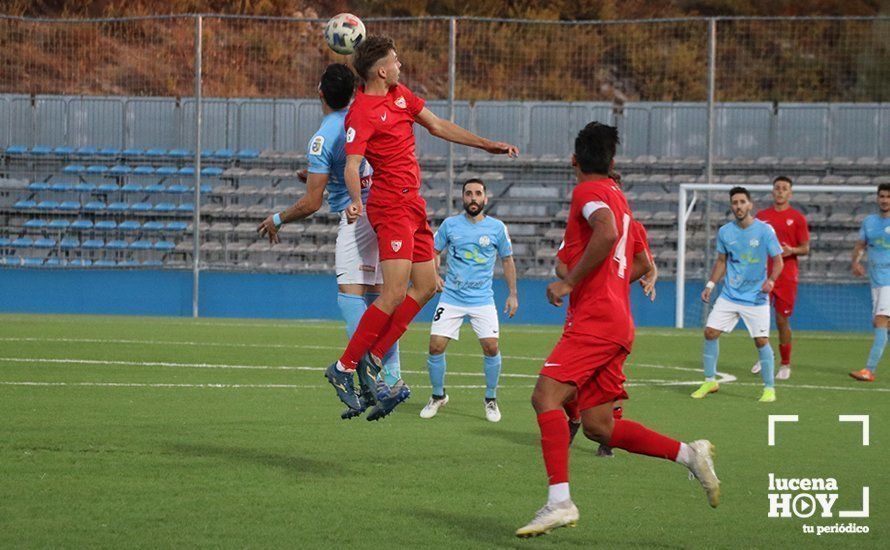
{"x":472,"y":208}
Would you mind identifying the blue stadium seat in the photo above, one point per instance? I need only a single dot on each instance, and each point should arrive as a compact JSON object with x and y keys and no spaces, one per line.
{"x":154,"y":188}
{"x":22,"y":242}
{"x":84,"y":187}
{"x":130,"y":225}
{"x":69,"y":243}
{"x":141,"y":207}
{"x":185,"y":207}
{"x":69,"y":206}
{"x":45,"y":242}
{"x":4,"y":241}
{"x":152,"y":263}
{"x":47,"y":205}
{"x":38,"y":186}
{"x":74,"y":169}
{"x":118,"y":207}
{"x":97,"y":169}
{"x":32,"y":261}
{"x":63,"y":150}
{"x":177,"y":226}
{"x":93,"y":244}
{"x":41,"y":150}
{"x":61,"y":187}
{"x":109,"y":152}
{"x":180,"y":153}
{"x":206,"y":152}
{"x":186,"y":171}
{"x":164,"y":207}
{"x":117,"y":244}
{"x":132,"y":188}
{"x":178,"y":188}
{"x":86,"y":151}
{"x":105,"y":225}
{"x":141,"y":244}
{"x":104,"y":262}
{"x":58,"y":224}
{"x":224,"y":153}
{"x":120,"y":170}
{"x":166,"y":171}
{"x":205,"y":188}
{"x":155,"y":152}
{"x":128,"y":263}
{"x":165,"y":246}
{"x":248,"y":154}
{"x":144,"y":170}
{"x":81,"y":224}
{"x":52,"y":262}
{"x":108,"y":187}
{"x":81,"y":262}
{"x":153,"y":226}
{"x":133,"y":152}
{"x":35,"y":224}
{"x":211,"y":171}
{"x":10,"y":260}
{"x":25,"y":204}
{"x":17,"y":150}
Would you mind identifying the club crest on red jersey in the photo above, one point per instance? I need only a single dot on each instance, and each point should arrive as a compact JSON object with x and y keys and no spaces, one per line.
{"x":401,"y":103}
{"x":789,"y":221}
{"x":396,"y":245}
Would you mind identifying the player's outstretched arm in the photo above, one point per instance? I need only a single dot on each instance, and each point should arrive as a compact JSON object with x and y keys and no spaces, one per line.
{"x":717,"y":273}
{"x":512,"y":303}
{"x":858,"y":251}
{"x":303,"y":208}
{"x":449,"y":131}
{"x":604,"y":236}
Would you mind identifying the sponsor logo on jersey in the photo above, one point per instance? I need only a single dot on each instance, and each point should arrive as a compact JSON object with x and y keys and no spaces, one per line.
{"x":753,"y":243}
{"x":401,"y":103}
{"x":396,"y":245}
{"x":484,"y":240}
{"x":350,"y":135}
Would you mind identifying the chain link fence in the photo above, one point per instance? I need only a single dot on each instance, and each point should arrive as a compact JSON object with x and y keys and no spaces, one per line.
{"x":131,"y":122}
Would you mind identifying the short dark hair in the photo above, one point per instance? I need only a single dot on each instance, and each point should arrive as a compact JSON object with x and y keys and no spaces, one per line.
{"x":371,"y":50}
{"x":595,"y":148}
{"x":337,"y":85}
{"x":783,"y":178}
{"x":883,"y":187}
{"x":736,"y":190}
{"x":472,"y":180}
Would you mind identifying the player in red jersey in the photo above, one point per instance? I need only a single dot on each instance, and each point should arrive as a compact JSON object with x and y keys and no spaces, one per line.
{"x":794,"y":236}
{"x":586,"y":364}
{"x":380,"y":128}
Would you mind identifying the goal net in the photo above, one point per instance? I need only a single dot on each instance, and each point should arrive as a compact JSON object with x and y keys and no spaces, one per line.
{"x":829,"y":296}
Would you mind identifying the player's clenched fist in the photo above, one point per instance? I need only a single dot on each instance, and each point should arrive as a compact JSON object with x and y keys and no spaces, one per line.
{"x":706,"y":295}
{"x":556,"y":291}
{"x":353,"y":211}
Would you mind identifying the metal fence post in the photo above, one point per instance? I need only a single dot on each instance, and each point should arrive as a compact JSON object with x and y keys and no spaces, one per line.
{"x":709,"y":159}
{"x":196,"y":232}
{"x":452,"y":72}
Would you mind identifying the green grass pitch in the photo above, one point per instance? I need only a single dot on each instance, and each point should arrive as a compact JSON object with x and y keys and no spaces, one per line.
{"x":152,"y":432}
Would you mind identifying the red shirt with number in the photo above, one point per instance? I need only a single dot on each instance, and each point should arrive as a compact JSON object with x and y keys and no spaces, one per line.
{"x":599,"y":305}
{"x":791,"y":229}
{"x":381,"y":128}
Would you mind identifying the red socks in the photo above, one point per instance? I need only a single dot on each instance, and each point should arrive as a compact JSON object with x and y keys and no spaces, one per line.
{"x":373,"y":322}
{"x":785,"y":352}
{"x":555,"y":445}
{"x":636,"y":438}
{"x":398,"y":324}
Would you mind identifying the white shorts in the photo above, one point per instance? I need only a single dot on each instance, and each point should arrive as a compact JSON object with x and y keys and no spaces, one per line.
{"x":725,"y":316}
{"x":448,"y":319}
{"x":356,"y":253}
{"x":880,"y":301}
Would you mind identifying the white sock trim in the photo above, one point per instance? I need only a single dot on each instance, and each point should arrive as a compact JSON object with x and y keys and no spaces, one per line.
{"x":710,"y":379}
{"x":558,"y":492}
{"x":684,"y":456}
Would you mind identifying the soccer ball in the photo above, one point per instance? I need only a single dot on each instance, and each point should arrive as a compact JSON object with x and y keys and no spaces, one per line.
{"x":344,"y":32}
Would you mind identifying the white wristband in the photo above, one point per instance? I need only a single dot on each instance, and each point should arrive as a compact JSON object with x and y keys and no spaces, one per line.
{"x":276,"y":219}
{"x":710,"y":285}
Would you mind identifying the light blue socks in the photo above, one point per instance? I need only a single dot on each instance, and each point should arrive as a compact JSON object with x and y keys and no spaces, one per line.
{"x":492,"y":373}
{"x":435,"y":364}
{"x":767,"y":365}
{"x":709,"y":358}
{"x":877,"y":349}
{"x":392,"y":367}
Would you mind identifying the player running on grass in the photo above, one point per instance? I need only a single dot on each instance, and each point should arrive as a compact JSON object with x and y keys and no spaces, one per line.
{"x":358,"y":273}
{"x":380,"y":128}
{"x":791,"y":228}
{"x":744,"y":247}
{"x":586,"y":364}
{"x":473,"y":242}
{"x":874,"y":237}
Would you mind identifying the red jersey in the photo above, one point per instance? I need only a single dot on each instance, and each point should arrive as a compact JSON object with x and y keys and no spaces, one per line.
{"x":599,"y":306}
{"x":641,"y":239}
{"x":381,"y":128}
{"x":791,"y":229}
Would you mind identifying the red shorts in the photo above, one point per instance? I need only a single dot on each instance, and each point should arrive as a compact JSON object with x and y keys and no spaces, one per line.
{"x":403,"y":232}
{"x":783,"y":296}
{"x":595,"y":367}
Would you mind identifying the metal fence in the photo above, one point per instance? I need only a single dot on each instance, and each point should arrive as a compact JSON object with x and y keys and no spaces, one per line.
{"x":703,"y":87}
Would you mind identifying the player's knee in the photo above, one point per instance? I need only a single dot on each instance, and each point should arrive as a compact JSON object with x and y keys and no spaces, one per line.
{"x":598,"y":431}
{"x":490,"y":348}
{"x":542,"y":402}
{"x":391,"y":297}
{"x":711,"y":334}
{"x":760,"y":342}
{"x":437,"y":348}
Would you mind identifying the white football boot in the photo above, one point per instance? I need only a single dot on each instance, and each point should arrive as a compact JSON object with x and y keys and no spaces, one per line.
{"x":492,"y":413}
{"x":550,"y":517}
{"x":756,"y":368}
{"x":784,"y":372}
{"x":702,"y":468}
{"x":433,"y":406}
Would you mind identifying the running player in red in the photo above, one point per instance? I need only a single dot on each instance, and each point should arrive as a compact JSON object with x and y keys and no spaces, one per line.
{"x":380,"y":128}
{"x":587,"y":362}
{"x":794,"y":236}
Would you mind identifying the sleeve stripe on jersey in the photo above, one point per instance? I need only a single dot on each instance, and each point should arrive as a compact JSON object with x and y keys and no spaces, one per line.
{"x":592,"y":207}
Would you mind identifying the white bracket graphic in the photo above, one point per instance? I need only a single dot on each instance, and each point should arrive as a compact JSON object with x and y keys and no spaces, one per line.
{"x":773,"y":418}
{"x":863,"y":418}
{"x":860,"y":513}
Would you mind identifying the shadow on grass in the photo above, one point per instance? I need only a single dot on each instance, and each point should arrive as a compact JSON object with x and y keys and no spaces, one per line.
{"x":294,"y":464}
{"x":529,"y":438}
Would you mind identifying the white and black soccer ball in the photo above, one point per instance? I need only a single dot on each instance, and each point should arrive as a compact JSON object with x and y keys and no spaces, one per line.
{"x":344,"y":32}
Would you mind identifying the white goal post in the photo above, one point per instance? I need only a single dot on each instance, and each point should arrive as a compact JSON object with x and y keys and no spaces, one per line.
{"x":685,"y":206}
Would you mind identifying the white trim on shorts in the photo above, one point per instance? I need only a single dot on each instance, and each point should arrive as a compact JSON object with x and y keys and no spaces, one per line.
{"x":448,"y":319}
{"x":726,"y":314}
{"x":880,"y":301}
{"x":356,"y":254}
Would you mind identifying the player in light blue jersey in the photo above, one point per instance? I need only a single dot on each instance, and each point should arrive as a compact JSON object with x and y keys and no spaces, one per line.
{"x":358,"y":274}
{"x":874,"y":238}
{"x":472,"y":242}
{"x":743,"y":248}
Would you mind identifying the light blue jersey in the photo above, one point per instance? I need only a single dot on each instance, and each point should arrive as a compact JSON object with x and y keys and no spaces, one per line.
{"x":472,"y":250}
{"x":875,"y":231}
{"x":327,"y":156}
{"x":747,"y":252}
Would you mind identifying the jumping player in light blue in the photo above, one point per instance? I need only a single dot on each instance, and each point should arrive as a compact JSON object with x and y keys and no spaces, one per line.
{"x":358,"y":274}
{"x":743,"y":248}
{"x":874,"y":237}
{"x":473,"y":242}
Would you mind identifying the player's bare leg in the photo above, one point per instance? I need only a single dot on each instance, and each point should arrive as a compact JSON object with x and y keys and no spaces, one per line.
{"x":710,"y":354}
{"x":492,"y":367}
{"x":601,"y":426}
{"x":548,"y":399}
{"x":435,"y":365}
{"x":877,"y":350}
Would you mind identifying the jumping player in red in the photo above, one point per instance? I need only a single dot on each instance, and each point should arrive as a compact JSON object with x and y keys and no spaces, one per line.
{"x":794,"y":236}
{"x":380,"y":128}
{"x":586,"y":364}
